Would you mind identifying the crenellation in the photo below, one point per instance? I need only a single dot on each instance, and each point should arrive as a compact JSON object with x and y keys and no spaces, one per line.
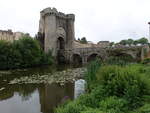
{"x":71,"y":16}
{"x":49,"y":11}
{"x":53,"y":11}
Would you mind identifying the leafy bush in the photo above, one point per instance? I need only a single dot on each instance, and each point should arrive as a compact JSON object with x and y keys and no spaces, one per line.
{"x":99,"y":93}
{"x":116,"y":89}
{"x":144,"y":109}
{"x":87,"y":100}
{"x":93,"y":98}
{"x":6,"y":55}
{"x":114,"y":104}
{"x":71,"y":107}
{"x":30,"y":51}
{"x":47,"y":58}
{"x":91,"y":110}
{"x":123,"y":82}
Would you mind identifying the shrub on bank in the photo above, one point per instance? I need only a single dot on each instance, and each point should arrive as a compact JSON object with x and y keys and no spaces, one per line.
{"x":22,"y":53}
{"x":113,"y":105}
{"x":6,"y":54}
{"x":72,"y":107}
{"x":143,"y":109}
{"x":124,"y":82}
{"x":115,"y":89}
{"x":91,"y":110}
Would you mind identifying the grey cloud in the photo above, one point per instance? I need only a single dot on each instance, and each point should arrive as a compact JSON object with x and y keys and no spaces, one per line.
{"x":111,"y":20}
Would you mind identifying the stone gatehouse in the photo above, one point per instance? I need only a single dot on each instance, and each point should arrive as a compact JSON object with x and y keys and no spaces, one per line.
{"x":56,"y":33}
{"x":56,"y":30}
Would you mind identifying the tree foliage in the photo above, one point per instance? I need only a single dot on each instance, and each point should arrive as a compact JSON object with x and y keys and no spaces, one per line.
{"x":25,"y":52}
{"x":83,"y":40}
{"x":142,"y":41}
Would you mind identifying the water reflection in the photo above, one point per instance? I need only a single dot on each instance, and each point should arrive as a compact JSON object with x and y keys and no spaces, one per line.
{"x":23,"y":90}
{"x":54,"y":94}
{"x":31,"y":98}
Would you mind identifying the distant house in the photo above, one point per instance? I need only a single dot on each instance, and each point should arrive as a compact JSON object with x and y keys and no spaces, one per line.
{"x":103,"y":43}
{"x":9,"y":35}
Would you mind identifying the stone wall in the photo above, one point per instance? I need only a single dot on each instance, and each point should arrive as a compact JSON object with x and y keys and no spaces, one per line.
{"x":103,"y":44}
{"x":54,"y":27}
{"x":9,"y":35}
{"x":145,"y":52}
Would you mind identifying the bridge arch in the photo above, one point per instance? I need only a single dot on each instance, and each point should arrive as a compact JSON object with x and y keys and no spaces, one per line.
{"x":92,"y":57}
{"x":61,"y":38}
{"x":122,"y":56}
{"x":130,"y":53}
{"x":127,"y":57}
{"x":76,"y":59}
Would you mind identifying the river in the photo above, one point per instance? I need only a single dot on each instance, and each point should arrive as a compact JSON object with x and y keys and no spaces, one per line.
{"x":37,"y":90}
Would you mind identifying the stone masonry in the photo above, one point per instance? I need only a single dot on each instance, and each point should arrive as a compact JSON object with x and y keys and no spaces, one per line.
{"x":9,"y":35}
{"x":57,"y":30}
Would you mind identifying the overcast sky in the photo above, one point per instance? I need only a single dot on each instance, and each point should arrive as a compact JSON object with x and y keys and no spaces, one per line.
{"x":96,"y":20}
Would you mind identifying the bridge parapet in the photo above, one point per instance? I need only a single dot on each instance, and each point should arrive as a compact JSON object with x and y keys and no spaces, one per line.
{"x":86,"y":50}
{"x":126,"y":47}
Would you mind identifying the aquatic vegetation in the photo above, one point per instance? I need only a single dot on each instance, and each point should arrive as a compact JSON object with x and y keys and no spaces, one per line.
{"x":90,"y":75}
{"x":61,"y":77}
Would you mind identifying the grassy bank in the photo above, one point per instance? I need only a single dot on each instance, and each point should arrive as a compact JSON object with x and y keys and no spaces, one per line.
{"x":113,"y":89}
{"x":22,"y":53}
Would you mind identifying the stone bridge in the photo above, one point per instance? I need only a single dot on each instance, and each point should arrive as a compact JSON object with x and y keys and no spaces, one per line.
{"x":84,"y":55}
{"x":56,"y":33}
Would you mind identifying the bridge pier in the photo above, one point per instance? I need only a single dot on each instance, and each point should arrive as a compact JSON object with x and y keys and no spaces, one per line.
{"x":84,"y":60}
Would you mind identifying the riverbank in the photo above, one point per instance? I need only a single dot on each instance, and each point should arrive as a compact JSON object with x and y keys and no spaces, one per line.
{"x":41,"y":89}
{"x":113,"y":89}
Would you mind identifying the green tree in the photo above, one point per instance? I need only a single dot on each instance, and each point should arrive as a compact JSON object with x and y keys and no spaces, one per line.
{"x":30,"y":51}
{"x":123,"y":42}
{"x":22,"y":53}
{"x":130,"y":41}
{"x":143,"y":41}
{"x":135,"y":42}
{"x":83,"y":40}
{"x":5,"y":54}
